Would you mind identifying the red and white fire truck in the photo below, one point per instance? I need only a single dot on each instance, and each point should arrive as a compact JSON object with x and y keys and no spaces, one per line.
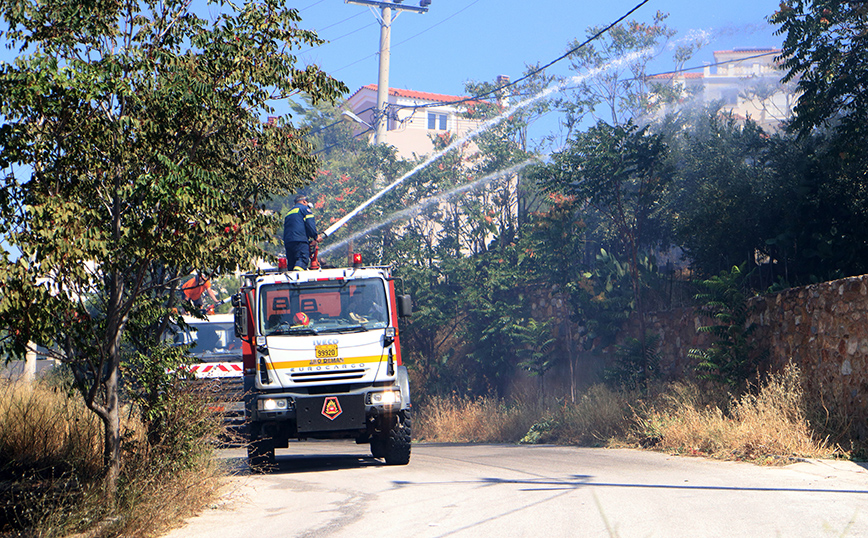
{"x":322,"y":360}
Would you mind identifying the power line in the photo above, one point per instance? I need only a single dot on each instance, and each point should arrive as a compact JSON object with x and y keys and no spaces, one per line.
{"x":468,"y":6}
{"x":537,"y":70}
{"x":409,"y":38}
{"x":312,"y":5}
{"x":715,"y":64}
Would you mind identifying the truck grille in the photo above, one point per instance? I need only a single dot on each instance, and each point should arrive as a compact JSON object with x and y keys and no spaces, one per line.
{"x":342,"y":375}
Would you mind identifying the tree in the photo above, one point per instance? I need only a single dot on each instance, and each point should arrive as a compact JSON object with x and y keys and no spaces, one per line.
{"x":537,"y":349}
{"x":621,"y":172}
{"x":131,"y":139}
{"x":732,"y":356}
{"x":826,"y":51}
{"x":724,"y":202}
{"x":622,"y":91}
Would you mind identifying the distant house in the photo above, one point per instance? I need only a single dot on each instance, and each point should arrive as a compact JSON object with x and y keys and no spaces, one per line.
{"x":413,"y":117}
{"x":746,"y":81}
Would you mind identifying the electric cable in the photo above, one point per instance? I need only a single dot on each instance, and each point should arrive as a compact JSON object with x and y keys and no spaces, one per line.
{"x":312,"y":5}
{"x":537,"y":70}
{"x":407,"y":39}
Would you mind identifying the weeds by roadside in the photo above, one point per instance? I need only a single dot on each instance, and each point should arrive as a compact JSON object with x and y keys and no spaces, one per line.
{"x":767,"y":425}
{"x":477,"y":420}
{"x":51,"y":465}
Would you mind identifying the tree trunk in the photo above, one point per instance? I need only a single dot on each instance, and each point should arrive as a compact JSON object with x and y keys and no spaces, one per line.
{"x":112,"y":446}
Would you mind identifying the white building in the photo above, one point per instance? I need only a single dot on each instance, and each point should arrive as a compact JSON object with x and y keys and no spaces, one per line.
{"x":746,"y":81}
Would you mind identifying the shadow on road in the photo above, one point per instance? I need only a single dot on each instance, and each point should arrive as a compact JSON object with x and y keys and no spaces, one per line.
{"x":305,"y":463}
{"x":584,"y":481}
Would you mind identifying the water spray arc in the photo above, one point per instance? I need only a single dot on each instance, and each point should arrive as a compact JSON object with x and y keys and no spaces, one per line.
{"x":486,"y":126}
{"x":416,"y":209}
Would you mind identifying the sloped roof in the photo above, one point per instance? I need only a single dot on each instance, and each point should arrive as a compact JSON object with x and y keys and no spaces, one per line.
{"x":412,"y":94}
{"x":747,"y":51}
{"x":667,"y":76}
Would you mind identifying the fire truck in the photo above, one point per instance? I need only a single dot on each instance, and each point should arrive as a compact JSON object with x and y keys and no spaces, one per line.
{"x":321,"y":359}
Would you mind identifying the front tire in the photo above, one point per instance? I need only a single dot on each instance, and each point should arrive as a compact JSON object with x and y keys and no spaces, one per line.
{"x":396,"y":444}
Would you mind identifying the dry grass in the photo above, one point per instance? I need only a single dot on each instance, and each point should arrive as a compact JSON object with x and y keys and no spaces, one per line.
{"x":478,"y":420}
{"x":51,"y":470}
{"x":766,"y":426}
{"x":45,"y":431}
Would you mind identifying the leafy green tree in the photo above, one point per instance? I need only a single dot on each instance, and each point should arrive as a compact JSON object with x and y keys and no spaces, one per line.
{"x":554,"y":246}
{"x":492,"y":309}
{"x":732,"y":357}
{"x":537,"y":349}
{"x":826,"y":51}
{"x":621,"y":173}
{"x":724,"y":203}
{"x":636,"y":360}
{"x":622,"y":92}
{"x":130,"y":138}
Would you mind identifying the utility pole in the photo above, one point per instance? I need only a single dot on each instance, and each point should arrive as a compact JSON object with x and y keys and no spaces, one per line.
{"x":380,"y":115}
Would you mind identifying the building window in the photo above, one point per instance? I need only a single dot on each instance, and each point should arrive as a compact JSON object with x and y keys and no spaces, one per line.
{"x":729,"y":97}
{"x":437,"y":121}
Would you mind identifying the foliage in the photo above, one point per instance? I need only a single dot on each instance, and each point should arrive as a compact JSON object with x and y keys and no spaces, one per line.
{"x":537,"y":348}
{"x":623,"y":89}
{"x":621,"y":172}
{"x":826,"y":50}
{"x":636,"y":362}
{"x":131,"y":142}
{"x":732,"y":357}
{"x":726,"y":199}
{"x":52,"y":467}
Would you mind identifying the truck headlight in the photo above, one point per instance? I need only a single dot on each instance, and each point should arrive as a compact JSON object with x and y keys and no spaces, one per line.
{"x":385,"y":398}
{"x":271,"y":404}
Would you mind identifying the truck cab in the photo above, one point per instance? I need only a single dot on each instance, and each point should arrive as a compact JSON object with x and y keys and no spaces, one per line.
{"x":322,"y":360}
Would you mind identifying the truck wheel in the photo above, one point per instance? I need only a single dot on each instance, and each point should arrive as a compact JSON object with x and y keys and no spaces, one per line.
{"x":397,"y":443}
{"x":260,"y":454}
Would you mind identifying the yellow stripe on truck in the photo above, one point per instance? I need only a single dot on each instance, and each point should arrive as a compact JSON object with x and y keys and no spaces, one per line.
{"x":324,"y":361}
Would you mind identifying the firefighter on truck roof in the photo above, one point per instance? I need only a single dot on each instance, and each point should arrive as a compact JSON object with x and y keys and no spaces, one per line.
{"x":299,"y":231}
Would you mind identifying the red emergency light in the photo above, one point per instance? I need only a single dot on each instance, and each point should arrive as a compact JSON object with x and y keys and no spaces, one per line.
{"x":281,"y":263}
{"x":357,"y":259}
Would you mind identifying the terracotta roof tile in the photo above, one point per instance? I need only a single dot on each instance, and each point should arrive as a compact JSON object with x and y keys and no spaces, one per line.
{"x":412,"y":94}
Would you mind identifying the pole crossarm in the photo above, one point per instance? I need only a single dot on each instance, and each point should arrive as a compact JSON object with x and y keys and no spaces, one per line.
{"x":392,"y":5}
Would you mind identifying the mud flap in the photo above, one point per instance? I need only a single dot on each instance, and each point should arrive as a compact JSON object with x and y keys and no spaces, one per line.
{"x":330,"y":413}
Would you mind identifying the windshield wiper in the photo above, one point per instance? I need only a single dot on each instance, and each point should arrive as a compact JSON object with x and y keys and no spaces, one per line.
{"x":351,"y":329}
{"x":283,"y":331}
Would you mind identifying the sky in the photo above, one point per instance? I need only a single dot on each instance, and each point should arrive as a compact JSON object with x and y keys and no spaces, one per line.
{"x":477,"y":40}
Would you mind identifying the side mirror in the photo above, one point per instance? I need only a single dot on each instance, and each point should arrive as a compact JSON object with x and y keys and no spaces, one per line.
{"x":241,"y":321}
{"x":405,"y":305}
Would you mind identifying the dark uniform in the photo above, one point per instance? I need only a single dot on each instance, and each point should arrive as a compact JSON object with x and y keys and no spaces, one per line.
{"x":299,"y":229}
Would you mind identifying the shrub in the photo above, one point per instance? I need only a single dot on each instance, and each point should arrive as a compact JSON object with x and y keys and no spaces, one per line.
{"x":767,"y":426}
{"x":52,"y":463}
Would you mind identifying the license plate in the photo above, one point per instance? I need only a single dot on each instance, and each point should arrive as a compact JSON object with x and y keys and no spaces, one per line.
{"x":327,"y":352}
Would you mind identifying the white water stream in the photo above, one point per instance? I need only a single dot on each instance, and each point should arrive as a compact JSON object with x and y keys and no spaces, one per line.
{"x":480,"y":129}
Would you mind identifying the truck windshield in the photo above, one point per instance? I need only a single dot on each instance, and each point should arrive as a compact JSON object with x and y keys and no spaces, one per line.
{"x":322,"y":307}
{"x":209,"y":341}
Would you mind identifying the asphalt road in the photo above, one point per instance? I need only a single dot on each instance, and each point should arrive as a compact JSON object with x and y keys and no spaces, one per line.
{"x":337,"y":489}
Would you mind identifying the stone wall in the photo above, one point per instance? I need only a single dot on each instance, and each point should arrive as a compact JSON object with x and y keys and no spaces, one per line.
{"x":822,"y":328}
